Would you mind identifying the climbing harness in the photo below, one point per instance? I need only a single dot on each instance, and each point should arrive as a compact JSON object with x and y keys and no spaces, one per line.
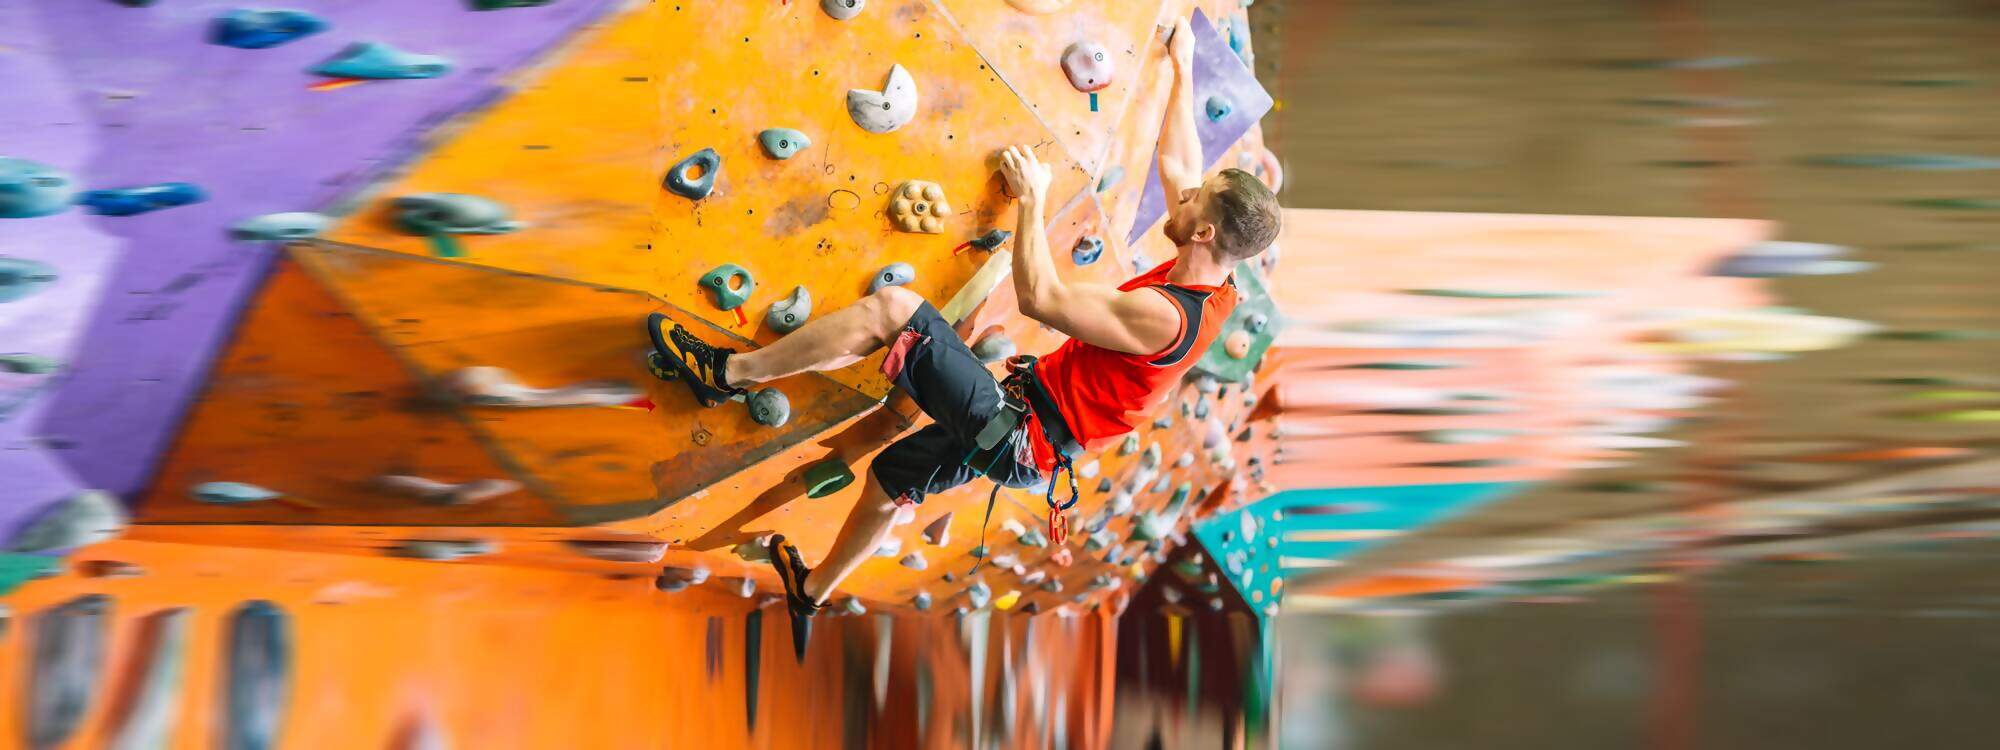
{"x":1020,"y":396}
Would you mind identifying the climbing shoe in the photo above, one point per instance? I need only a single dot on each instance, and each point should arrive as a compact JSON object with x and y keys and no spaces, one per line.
{"x":678,"y":355}
{"x":792,"y":572}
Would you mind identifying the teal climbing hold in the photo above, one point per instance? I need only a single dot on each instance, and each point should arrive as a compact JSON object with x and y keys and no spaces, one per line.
{"x":696,"y":188}
{"x":770,"y":408}
{"x":431,"y":214}
{"x":1087,"y":250}
{"x":729,"y":285}
{"x":1110,"y":178}
{"x":1218,"y":108}
{"x":30,"y":189}
{"x":20,"y":277}
{"x":827,"y":477}
{"x":232,"y":493}
{"x":894,"y":274}
{"x":280,"y":227}
{"x":27,"y":364}
{"x":244,"y":28}
{"x":257,"y":677}
{"x":142,"y":199}
{"x":380,"y":61}
{"x":17,"y":569}
{"x":782,"y":143}
{"x":786,"y":315}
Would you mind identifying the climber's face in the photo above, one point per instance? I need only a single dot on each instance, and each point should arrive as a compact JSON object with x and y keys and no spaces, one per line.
{"x":1190,"y":222}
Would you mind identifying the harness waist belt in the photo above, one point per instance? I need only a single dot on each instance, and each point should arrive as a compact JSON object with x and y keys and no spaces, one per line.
{"x":1053,"y":425}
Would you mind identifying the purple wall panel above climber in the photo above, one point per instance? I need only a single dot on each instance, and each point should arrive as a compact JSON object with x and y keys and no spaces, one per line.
{"x":157,"y":102}
{"x":1219,"y":77}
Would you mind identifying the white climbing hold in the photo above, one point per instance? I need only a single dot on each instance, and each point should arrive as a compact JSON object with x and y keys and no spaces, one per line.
{"x":886,"y":110}
{"x":232,"y":493}
{"x":619,"y":551}
{"x":445,"y":550}
{"x":938,"y":532}
{"x":85,"y":518}
{"x":492,"y":386}
{"x":445,"y":493}
{"x":1088,"y":66}
{"x":890,"y":548}
{"x":842,"y":10}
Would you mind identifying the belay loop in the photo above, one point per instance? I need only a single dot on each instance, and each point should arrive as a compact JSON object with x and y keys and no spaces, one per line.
{"x":1059,"y":514}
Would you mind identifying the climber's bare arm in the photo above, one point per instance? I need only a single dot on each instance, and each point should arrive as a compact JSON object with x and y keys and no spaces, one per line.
{"x":1180,"y":146}
{"x":1138,"y":322}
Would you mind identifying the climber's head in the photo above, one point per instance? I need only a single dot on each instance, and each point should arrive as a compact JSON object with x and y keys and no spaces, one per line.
{"x":1232,"y":216}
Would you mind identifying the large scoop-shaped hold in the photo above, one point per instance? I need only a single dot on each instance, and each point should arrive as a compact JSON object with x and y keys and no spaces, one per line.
{"x":1088,"y":66}
{"x":430,"y":214}
{"x":244,"y":28}
{"x":705,"y":161}
{"x":786,"y":315}
{"x":381,"y":61}
{"x":492,"y":386}
{"x":142,"y":199}
{"x":894,"y":274}
{"x":280,"y":227}
{"x":30,"y":189}
{"x":783,"y":143}
{"x":85,"y":518}
{"x":886,"y":110}
{"x":827,"y":477}
{"x":770,"y":408}
{"x":842,"y":10}
{"x":729,"y":285}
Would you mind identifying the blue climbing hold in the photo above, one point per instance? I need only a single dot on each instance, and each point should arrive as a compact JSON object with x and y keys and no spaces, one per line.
{"x":710,"y":164}
{"x":20,"y":277}
{"x":1218,"y":108}
{"x":782,"y":143}
{"x":142,"y":199}
{"x":894,"y":274}
{"x":280,"y":227}
{"x":30,"y":189}
{"x":381,"y":61}
{"x":729,"y":284}
{"x":1087,"y":250}
{"x":244,"y":28}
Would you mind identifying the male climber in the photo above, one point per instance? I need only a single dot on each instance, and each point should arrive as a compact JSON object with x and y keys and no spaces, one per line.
{"x":1128,"y":347}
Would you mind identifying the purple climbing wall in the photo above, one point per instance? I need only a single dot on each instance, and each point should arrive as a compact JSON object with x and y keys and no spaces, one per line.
{"x":120,"y":96}
{"x":1217,"y":72}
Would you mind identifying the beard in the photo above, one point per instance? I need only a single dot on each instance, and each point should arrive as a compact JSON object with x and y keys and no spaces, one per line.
{"x":1174,"y":233}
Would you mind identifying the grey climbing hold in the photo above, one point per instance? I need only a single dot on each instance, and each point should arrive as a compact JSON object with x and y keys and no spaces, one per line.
{"x":978,"y":595}
{"x":444,"y":493}
{"x":618,"y":551}
{"x":150,"y":721}
{"x":922,"y":601}
{"x":245,"y":28}
{"x":675,"y":579}
{"x":842,"y":10}
{"x":1087,"y":250}
{"x":894,"y":274}
{"x":783,"y":143}
{"x":886,"y":110}
{"x":1256,"y":322}
{"x":1776,"y":258}
{"x":729,"y":285}
{"x":852,"y":606}
{"x":142,"y":199}
{"x":770,"y":408}
{"x":938,"y":532}
{"x":65,"y":663}
{"x":258,"y":676}
{"x":994,"y":347}
{"x":431,"y":214}
{"x":1110,"y":178}
{"x":1034,"y":538}
{"x":991,"y":240}
{"x":1104,"y":485}
{"x":1218,"y":108}
{"x":495,"y":387}
{"x":381,"y":61}
{"x":29,"y":189}
{"x":1088,"y":66}
{"x":280,"y":227}
{"x":83,"y":519}
{"x":232,"y":493}
{"x":1152,"y":458}
{"x":915,"y":561}
{"x":21,"y":277}
{"x":1201,"y":408}
{"x":1131,"y":444}
{"x":705,"y":160}
{"x":786,"y":315}
{"x":444,"y":550}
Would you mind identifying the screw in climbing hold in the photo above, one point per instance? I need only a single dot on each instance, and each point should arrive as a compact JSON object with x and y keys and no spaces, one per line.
{"x":1218,"y":108}
{"x":279,"y":227}
{"x":438,"y":216}
{"x":1256,"y":322}
{"x":376,"y":60}
{"x":30,"y":189}
{"x":994,"y":347}
{"x":694,"y":189}
{"x":894,"y":274}
{"x":842,"y":10}
{"x":1088,"y":66}
{"x":886,"y":110}
{"x":786,"y":315}
{"x":770,"y":408}
{"x":729,"y":285}
{"x":827,"y":477}
{"x":782,"y":143}
{"x":919,"y":206}
{"x":20,"y":277}
{"x":244,"y":28}
{"x":1087,"y":250}
{"x":142,"y":199}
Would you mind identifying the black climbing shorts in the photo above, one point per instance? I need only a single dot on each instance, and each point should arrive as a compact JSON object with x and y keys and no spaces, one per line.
{"x":929,"y":362}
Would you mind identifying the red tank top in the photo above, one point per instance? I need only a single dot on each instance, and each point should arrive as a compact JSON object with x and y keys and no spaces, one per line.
{"x":1104,"y":393}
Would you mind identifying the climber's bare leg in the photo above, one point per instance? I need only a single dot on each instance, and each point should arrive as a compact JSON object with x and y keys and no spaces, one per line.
{"x":837,"y":340}
{"x":866,"y":529}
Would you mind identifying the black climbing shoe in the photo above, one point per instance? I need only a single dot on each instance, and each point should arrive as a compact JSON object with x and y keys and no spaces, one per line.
{"x":678,"y":355}
{"x":792,"y":572}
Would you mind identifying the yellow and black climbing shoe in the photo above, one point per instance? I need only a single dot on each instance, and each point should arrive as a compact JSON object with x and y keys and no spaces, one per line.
{"x":678,"y":355}
{"x":792,"y":572}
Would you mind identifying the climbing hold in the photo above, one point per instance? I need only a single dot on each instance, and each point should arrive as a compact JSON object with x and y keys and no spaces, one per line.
{"x":85,"y":518}
{"x":380,"y":61}
{"x":244,"y":28}
{"x":1034,"y":538}
{"x":1103,"y":485}
{"x":142,"y":199}
{"x":28,"y":364}
{"x":1218,"y":108}
{"x":827,"y":477}
{"x":919,"y":206}
{"x":153,"y":714}
{"x":886,"y":110}
{"x":1007,"y":600}
{"x":890,"y":548}
{"x":507,"y":4}
{"x":1256,"y":322}
{"x":707,"y":162}
{"x":675,"y":579}
{"x":1038,"y":7}
{"x":258,"y":675}
{"x":1088,"y":470}
{"x":782,"y":143}
{"x":443,"y":550}
{"x":495,"y":387}
{"x":30,"y":189}
{"x":109,"y":569}
{"x":432,"y":214}
{"x":1088,"y":66}
{"x":1152,"y":458}
{"x":1110,"y":177}
{"x":786,"y":315}
{"x":978,"y":595}
{"x":232,"y":493}
{"x":978,"y":552}
{"x":894,"y":274}
{"x":1201,"y":407}
{"x":65,"y":663}
{"x":444,"y":493}
{"x":938,"y":532}
{"x":1186,"y":460}
{"x":991,"y":240}
{"x":619,"y":551}
{"x":915,"y":561}
{"x":1237,"y":346}
{"x":922,"y":601}
{"x":842,"y":10}
{"x":20,"y":277}
{"x":1087,"y":250}
{"x":994,"y":347}
{"x":279,"y":227}
{"x":1775,"y":259}
{"x":770,"y":408}
{"x":729,"y":285}
{"x":1131,"y":444}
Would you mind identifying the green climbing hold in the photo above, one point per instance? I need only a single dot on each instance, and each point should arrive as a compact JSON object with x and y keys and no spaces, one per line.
{"x":695,"y":188}
{"x":782,"y":143}
{"x":729,"y":284}
{"x":827,"y":477}
{"x":438,"y":216}
{"x":27,"y":364}
{"x":16,"y":569}
{"x":1925,"y":162}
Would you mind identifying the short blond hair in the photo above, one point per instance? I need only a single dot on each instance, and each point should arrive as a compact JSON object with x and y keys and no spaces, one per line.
{"x":1246,"y":216}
